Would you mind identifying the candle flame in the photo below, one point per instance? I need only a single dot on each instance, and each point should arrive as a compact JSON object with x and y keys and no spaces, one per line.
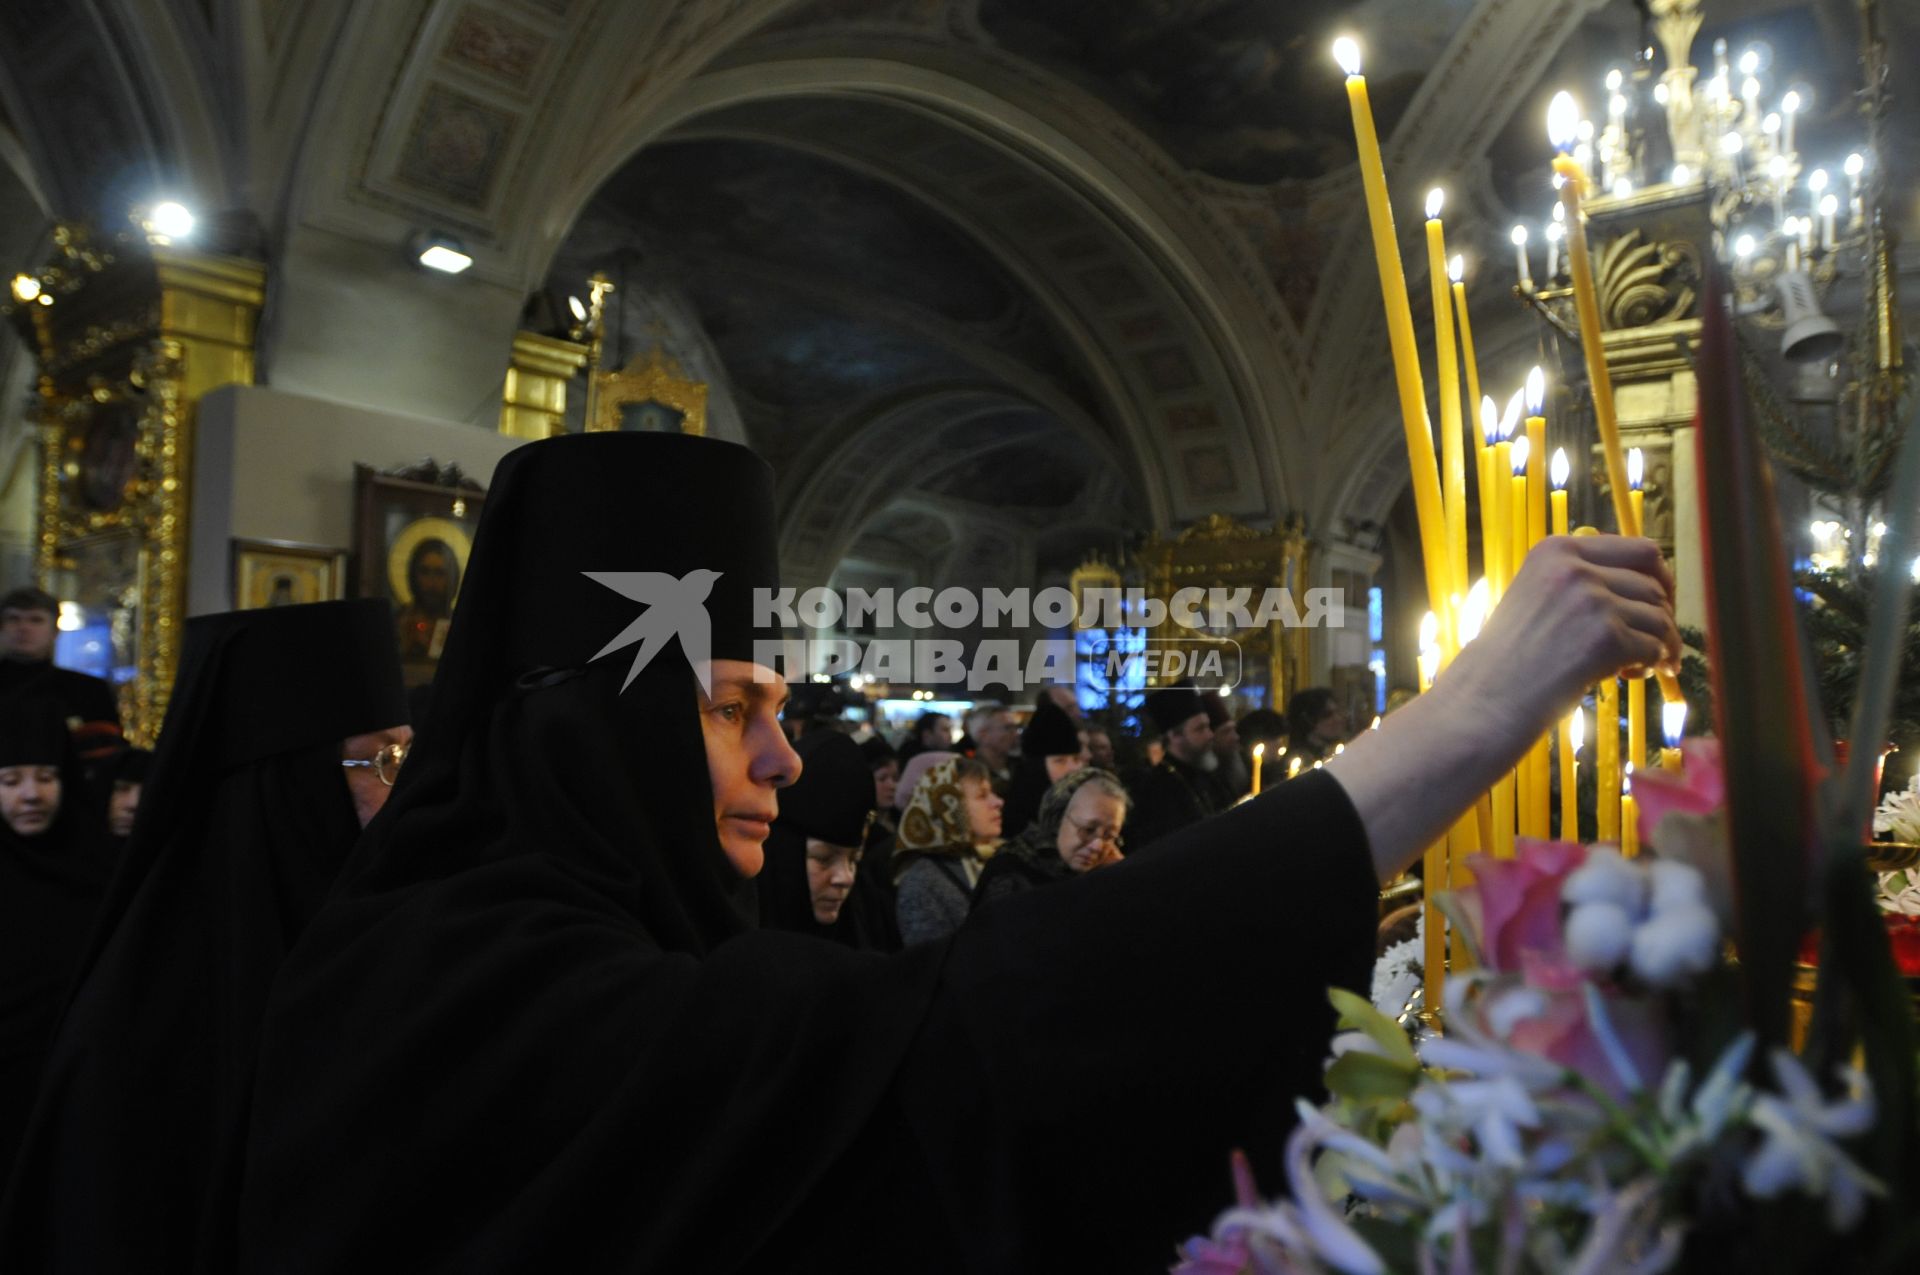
{"x":1577,"y":729}
{"x":1563,"y":121}
{"x":1519,"y":236}
{"x":1376,"y":722}
{"x":1346,"y":51}
{"x":1790,"y":103}
{"x":1771,"y":125}
{"x":1817,"y":180}
{"x":1511,"y":420}
{"x":1636,"y":467}
{"x":1856,"y":164}
{"x":1626,"y":781}
{"x":1556,"y":232}
{"x":1436,"y":200}
{"x":1457,"y":267}
{"x":1259,"y":750}
{"x":1520,"y":449}
{"x":1293,"y":767}
{"x":1489,"y":419}
{"x":1560,"y":214}
{"x":1673,"y":721}
{"x":1536,"y":392}
{"x":1614,"y":80}
{"x":1473,"y":612}
{"x":1429,"y":631}
{"x":1559,"y":469}
{"x":1829,"y":205}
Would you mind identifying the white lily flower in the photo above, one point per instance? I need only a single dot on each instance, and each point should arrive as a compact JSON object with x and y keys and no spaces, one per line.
{"x":1799,"y":1151}
{"x":1328,"y":1236}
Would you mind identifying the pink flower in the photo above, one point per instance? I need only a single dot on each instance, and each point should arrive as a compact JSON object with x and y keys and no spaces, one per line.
{"x":1515,"y":904}
{"x":1700,"y":787}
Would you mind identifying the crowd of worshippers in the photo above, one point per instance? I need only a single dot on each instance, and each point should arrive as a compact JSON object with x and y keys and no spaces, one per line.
{"x":883,"y":843}
{"x":875,"y":847}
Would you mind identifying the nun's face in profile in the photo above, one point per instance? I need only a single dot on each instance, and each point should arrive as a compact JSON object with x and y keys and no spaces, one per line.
{"x":830,"y":873}
{"x":748,"y":757}
{"x":370,"y":786}
{"x":29,"y":798}
{"x":1090,"y":834}
{"x":122,"y":806}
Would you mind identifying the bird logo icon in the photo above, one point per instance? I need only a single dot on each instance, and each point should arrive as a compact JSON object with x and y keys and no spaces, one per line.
{"x":676,"y":606}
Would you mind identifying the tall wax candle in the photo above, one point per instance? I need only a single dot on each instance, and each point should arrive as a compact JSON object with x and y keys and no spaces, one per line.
{"x":1573,"y":729}
{"x":1453,"y":465}
{"x":1607,"y":758}
{"x":1526,"y":799}
{"x":1427,"y":502}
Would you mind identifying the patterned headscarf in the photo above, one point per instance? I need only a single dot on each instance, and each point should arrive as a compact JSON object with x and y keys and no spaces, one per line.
{"x":935,"y":821}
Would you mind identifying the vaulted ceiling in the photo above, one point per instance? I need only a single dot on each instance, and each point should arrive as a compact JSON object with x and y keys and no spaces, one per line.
{"x":1007,"y":276}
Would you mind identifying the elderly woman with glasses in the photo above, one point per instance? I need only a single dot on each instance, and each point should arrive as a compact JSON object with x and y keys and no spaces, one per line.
{"x":283,"y":738}
{"x":1077,"y":830}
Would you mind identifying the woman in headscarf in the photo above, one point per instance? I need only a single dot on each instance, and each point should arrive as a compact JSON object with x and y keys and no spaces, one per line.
{"x":812,"y":881}
{"x":1052,"y":746}
{"x":284,"y":732}
{"x":950,"y":829}
{"x":534,"y":1029}
{"x":53,"y":869}
{"x":1077,"y":830}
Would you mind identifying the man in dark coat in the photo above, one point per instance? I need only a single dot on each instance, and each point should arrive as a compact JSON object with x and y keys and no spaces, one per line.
{"x":27,"y":630}
{"x":1181,"y":790}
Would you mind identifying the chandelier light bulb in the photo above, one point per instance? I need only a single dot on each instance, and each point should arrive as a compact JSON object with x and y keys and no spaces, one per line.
{"x":1771,"y":125}
{"x":1733,"y":143}
{"x":169,"y":220}
{"x":1817,"y":180}
{"x":1856,"y":164}
{"x":1790,"y":104}
{"x":1614,"y":80}
{"x":1743,"y":247}
{"x":1560,"y":213}
{"x":1346,"y":51}
{"x":1777,"y":167}
{"x":1830,"y":205}
{"x":1586,"y":131}
{"x":1519,"y":236}
{"x":1622,"y":188}
{"x":579,"y":310}
{"x":1750,"y":62}
{"x":1682,"y":174}
{"x":1661,"y":94}
{"x":1750,"y":88}
{"x":1556,"y":232}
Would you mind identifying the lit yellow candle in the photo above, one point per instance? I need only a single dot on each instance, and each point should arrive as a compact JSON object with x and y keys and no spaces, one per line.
{"x":1573,"y":731}
{"x":1673,"y":725}
{"x":1607,"y":757}
{"x":1636,"y":497}
{"x":1510,"y":552}
{"x":1563,"y":123}
{"x":1259,"y":755}
{"x":1560,"y":471}
{"x":1293,"y":766}
{"x":1526,"y":801}
{"x":1457,"y":272}
{"x":1537,"y":448}
{"x":1453,"y":465}
{"x":1636,"y":686}
{"x":1427,"y":503}
{"x":1629,"y":816}
{"x":1491,"y":526}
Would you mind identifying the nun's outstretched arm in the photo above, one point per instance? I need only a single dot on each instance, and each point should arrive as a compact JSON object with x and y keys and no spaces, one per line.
{"x":1582,"y":608}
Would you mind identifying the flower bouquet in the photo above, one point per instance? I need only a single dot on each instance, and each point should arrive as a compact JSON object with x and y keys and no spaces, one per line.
{"x":1619,"y":1084}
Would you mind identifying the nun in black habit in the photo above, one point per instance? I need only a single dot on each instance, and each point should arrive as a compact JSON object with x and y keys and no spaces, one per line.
{"x":534,"y":1030}
{"x":815,"y":850}
{"x":53,"y":869}
{"x":132,"y":1158}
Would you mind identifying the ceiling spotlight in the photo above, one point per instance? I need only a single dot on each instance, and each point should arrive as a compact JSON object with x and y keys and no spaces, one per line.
{"x":1743,"y":247}
{"x":25,"y":288}
{"x":439,"y":252}
{"x":579,"y":309}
